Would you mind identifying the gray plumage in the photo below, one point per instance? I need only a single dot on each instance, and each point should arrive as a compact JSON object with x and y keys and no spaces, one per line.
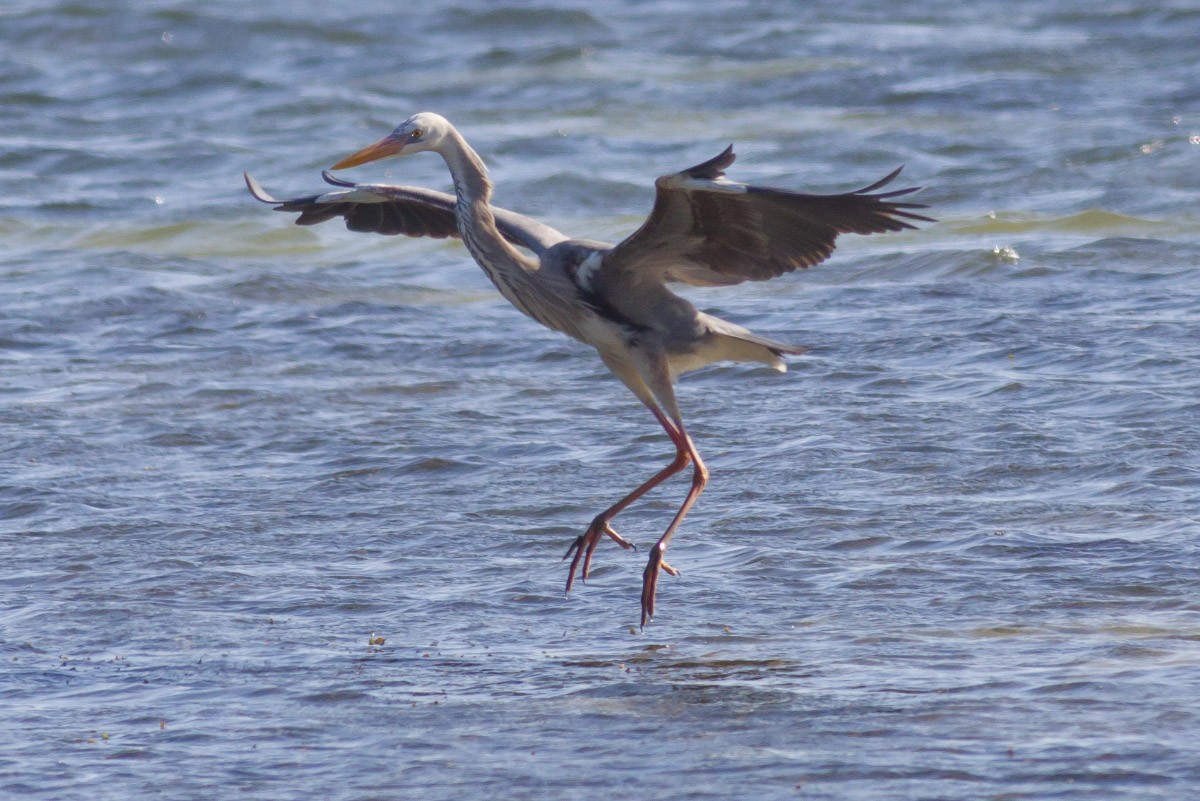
{"x":703,"y":230}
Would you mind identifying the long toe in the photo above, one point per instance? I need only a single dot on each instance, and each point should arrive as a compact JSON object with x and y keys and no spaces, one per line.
{"x":650,"y":583}
{"x":618,"y":539}
{"x":578,"y":549}
{"x":649,"y":588}
{"x":584,"y":546}
{"x":575,"y":546}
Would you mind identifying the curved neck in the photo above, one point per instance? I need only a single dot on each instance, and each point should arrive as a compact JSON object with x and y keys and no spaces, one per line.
{"x":471,"y":181}
{"x":476,"y":222}
{"x":507,"y":267}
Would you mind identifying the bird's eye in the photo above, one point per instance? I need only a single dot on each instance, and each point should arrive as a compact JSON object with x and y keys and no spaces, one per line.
{"x":416,"y":134}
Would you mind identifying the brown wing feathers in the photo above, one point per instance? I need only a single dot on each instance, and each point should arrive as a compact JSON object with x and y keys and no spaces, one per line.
{"x":761,"y":232}
{"x":408,"y":210}
{"x":392,"y":217}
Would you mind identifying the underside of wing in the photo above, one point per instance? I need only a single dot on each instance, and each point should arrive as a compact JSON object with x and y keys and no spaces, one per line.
{"x":407,"y":210}
{"x":708,"y":231}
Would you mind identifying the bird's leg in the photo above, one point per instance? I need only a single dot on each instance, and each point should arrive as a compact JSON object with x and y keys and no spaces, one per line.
{"x":657,"y":563}
{"x":585,"y":544}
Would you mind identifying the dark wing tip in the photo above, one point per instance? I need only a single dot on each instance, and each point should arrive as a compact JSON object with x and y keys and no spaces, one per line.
{"x":884,"y":181}
{"x":713,"y":168}
{"x":329,"y":178}
{"x":257,"y":191}
{"x":896,"y":209}
{"x":900,"y":210}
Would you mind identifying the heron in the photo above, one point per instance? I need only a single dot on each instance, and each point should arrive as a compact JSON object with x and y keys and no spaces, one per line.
{"x":703,"y":230}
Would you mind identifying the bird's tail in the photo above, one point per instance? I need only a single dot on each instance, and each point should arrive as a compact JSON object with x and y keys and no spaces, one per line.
{"x":753,"y":348}
{"x":729,"y":342}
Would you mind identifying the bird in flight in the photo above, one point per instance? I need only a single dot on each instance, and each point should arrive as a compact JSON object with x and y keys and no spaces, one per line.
{"x":703,"y":230}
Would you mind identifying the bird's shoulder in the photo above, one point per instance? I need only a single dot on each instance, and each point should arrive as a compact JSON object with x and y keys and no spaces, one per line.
{"x":578,"y":260}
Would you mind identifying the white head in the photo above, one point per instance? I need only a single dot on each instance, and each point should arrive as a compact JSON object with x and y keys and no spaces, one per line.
{"x":419,"y":133}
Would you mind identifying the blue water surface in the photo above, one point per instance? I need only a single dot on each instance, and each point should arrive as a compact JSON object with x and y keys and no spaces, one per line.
{"x":281,"y":508}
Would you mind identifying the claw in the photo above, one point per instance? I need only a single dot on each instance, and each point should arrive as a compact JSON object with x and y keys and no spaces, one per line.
{"x":585,"y":545}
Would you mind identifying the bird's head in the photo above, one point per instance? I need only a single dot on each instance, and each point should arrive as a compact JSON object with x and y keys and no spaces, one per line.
{"x":419,"y":133}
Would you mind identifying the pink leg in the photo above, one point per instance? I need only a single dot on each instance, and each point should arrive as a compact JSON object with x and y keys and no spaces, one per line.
{"x":585,"y":545}
{"x":657,"y":563}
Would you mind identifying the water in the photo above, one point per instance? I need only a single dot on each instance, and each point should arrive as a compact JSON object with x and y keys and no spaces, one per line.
{"x":951,"y":554}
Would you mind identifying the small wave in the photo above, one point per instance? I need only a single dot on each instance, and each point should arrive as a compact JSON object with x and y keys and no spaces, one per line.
{"x":1092,"y":221}
{"x":523,"y":20}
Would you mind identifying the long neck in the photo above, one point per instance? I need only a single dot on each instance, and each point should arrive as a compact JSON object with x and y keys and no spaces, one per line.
{"x":503,"y":263}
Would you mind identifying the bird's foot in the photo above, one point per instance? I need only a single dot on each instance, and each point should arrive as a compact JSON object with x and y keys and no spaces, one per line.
{"x":654,"y":566}
{"x":585,"y":545}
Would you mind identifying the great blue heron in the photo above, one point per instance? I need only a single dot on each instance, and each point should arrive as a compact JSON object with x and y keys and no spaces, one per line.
{"x":704,"y":230}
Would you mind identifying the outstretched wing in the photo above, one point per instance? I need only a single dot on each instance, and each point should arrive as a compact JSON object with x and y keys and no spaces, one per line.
{"x":408,"y":210}
{"x":708,"y":231}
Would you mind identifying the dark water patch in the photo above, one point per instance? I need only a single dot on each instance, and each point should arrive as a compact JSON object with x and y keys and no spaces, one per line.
{"x":516,"y":20}
{"x":546,"y":56}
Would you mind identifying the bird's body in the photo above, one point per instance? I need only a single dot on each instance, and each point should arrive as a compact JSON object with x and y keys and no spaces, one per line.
{"x":704,"y":230}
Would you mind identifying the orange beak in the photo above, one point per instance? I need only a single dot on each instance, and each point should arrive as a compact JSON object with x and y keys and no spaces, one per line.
{"x":387,"y":146}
